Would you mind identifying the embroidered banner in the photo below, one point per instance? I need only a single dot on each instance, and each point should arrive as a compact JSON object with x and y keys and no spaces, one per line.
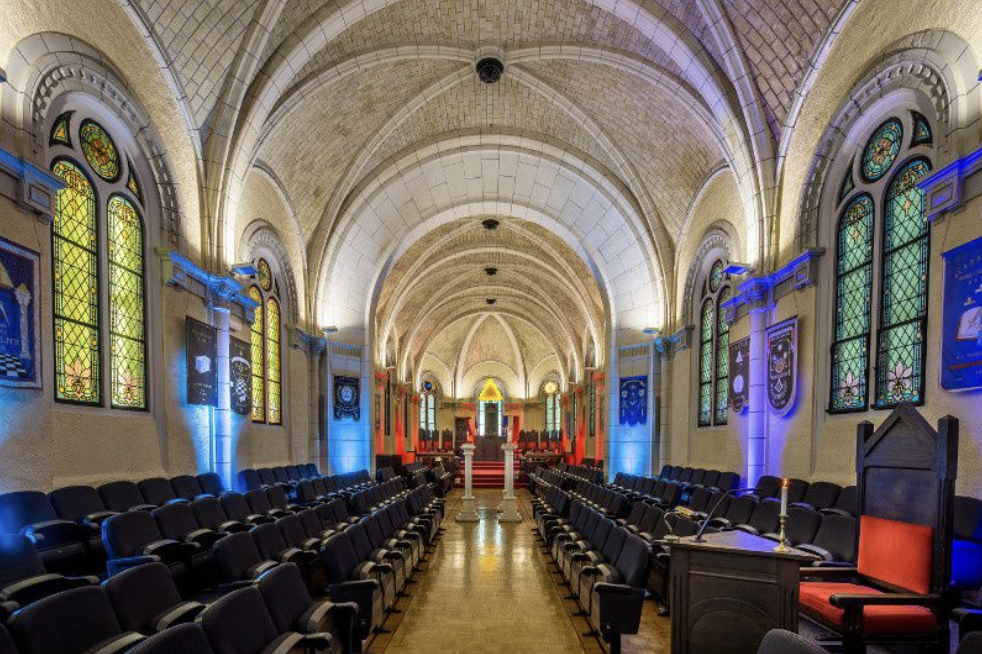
{"x":740,"y":374}
{"x":240,"y":376}
{"x":20,"y":342}
{"x":634,"y":400}
{"x":347,"y":398}
{"x":961,"y":322}
{"x":782,"y":365}
{"x":202,"y":350}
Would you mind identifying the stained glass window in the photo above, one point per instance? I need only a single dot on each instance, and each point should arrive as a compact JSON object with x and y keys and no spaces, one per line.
{"x":715,"y":276}
{"x":99,"y":150}
{"x":61,"y":132}
{"x":882,"y":149}
{"x":553,"y":407}
{"x":258,"y":359}
{"x":127,"y":328}
{"x":265,"y":275}
{"x":848,"y":185}
{"x":896,"y":284}
{"x":427,"y":408}
{"x":706,"y":363}
{"x":903,"y":290}
{"x":134,"y":185}
{"x":853,"y":288}
{"x":922,"y":130}
{"x":274,"y":403}
{"x":75,"y":244}
{"x":722,"y":358}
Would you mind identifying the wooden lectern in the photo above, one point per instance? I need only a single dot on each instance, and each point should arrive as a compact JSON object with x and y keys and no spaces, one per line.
{"x":730,"y":590}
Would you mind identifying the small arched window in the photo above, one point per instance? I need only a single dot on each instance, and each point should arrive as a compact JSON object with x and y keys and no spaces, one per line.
{"x":427,"y":406}
{"x":99,"y":261}
{"x":267,"y":365}
{"x":553,"y":406}
{"x":885,"y":191}
{"x":714,"y":343}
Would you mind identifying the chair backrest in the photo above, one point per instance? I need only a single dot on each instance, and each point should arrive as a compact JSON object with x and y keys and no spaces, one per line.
{"x":711,"y":478}
{"x":6,"y":642}
{"x":239,"y":623}
{"x":236,"y":506}
{"x":125,"y":534}
{"x":822,"y":494}
{"x":140,"y":594}
{"x":18,"y":559}
{"x":235,"y":554}
{"x":837,"y":535}
{"x":175,"y":520}
{"x":768,"y":486}
{"x":339,"y":557}
{"x":279,"y":472}
{"x":906,"y":473}
{"x":183,"y":638}
{"x":186,"y":487}
{"x":803,"y":524}
{"x":909,"y":565}
{"x":968,"y":519}
{"x":22,"y":508}
{"x":286,"y":596}
{"x":269,"y":541}
{"x":76,"y":502}
{"x":970,"y":644}
{"x":740,"y":509}
{"x":277,"y":497}
{"x":293,"y":473}
{"x":258,"y":501}
{"x":632,"y":564}
{"x":121,"y":495}
{"x":614,"y":544}
{"x":779,"y":641}
{"x":266,"y":476}
{"x":600,"y":535}
{"x":157,"y":490}
{"x":249,"y":480}
{"x":291,"y":528}
{"x":209,"y":513}
{"x":728,"y":481}
{"x":766,"y":517}
{"x":70,"y":622}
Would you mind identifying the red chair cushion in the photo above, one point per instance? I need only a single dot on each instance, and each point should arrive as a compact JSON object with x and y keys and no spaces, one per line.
{"x":898,"y":553}
{"x":814,"y":599}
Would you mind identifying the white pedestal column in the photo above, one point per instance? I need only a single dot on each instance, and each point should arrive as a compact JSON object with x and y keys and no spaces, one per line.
{"x":468,"y":511}
{"x":508,"y":508}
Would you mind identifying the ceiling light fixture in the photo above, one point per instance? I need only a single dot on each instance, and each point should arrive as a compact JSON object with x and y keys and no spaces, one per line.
{"x":490,"y":271}
{"x":489,"y":69}
{"x":490,"y":224}
{"x":491,"y":300}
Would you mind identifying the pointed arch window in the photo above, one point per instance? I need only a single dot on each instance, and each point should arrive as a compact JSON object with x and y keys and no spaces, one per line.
{"x":892,"y":259}
{"x":266,"y":339}
{"x":714,"y":342}
{"x":427,"y":407}
{"x":554,"y":410}
{"x":99,"y":271}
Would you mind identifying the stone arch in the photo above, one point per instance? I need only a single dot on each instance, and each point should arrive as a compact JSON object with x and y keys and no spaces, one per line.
{"x":260,"y":239}
{"x":716,"y":244}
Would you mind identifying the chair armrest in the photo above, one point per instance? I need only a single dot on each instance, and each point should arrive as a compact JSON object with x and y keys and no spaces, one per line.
{"x":232,"y":527}
{"x":98,"y":517}
{"x":833,"y":511}
{"x":25,"y":591}
{"x":580,"y":556}
{"x":120,"y":643}
{"x":620,"y":608}
{"x":54,"y":530}
{"x":968,"y":620}
{"x":287,"y":643}
{"x":142,"y":507}
{"x":261,"y":568}
{"x":203,"y":538}
{"x":127,"y":562}
{"x":846,"y":600}
{"x":823,"y":573}
{"x":318,"y":641}
{"x":818,"y":551}
{"x":832,"y":564}
{"x":180,"y":614}
{"x":225,"y":588}
{"x":7,"y":609}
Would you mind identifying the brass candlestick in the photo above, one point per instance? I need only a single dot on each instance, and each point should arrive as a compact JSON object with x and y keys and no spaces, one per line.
{"x":781,"y":545}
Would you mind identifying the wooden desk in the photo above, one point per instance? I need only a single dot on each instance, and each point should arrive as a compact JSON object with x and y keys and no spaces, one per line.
{"x":729,"y":591}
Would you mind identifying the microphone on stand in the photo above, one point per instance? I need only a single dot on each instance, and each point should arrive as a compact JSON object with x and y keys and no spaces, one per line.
{"x":698,"y":538}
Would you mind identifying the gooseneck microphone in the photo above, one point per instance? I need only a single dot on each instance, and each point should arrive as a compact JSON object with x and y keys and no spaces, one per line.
{"x":698,"y":538}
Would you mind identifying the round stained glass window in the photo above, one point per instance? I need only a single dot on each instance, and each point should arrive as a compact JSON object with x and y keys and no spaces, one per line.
{"x":550,"y":388}
{"x":428,"y":386}
{"x":882,"y":150}
{"x":265,"y":275}
{"x":99,"y":150}
{"x":715,"y":276}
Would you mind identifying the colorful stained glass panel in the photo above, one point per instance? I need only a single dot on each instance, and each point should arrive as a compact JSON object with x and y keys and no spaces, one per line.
{"x":922,"y":130}
{"x":258,"y":360}
{"x":127,"y":330}
{"x":76,"y":289}
{"x":706,"y":321}
{"x":848,"y":185}
{"x":715,"y":276}
{"x":722,"y":359}
{"x":903,"y":290}
{"x":61,"y":132}
{"x":882,"y":149}
{"x":134,"y":186}
{"x":274,"y":404}
{"x":99,"y":150}
{"x":854,"y":285}
{"x":265,"y":275}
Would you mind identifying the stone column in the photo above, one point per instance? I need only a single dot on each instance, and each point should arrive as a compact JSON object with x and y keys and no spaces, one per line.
{"x":508,"y":507}
{"x":223,"y":411}
{"x":759,"y":299}
{"x":665,"y":349}
{"x":468,"y":512}
{"x":24,"y":301}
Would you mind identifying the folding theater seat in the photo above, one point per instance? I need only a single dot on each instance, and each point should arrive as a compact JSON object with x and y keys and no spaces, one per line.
{"x":293,"y":474}
{"x":283,"y":479}
{"x":834,"y":543}
{"x":384,"y":571}
{"x":61,"y":543}
{"x":293,"y":609}
{"x":24,"y":579}
{"x":586,"y":564}
{"x":553,"y":526}
{"x":272,"y":546}
{"x":594,"y":541}
{"x":820,"y":495}
{"x":727,"y":481}
{"x":576,"y":558}
{"x":711,"y":479}
{"x":314,"y":524}
{"x":738,"y":512}
{"x":764,"y":520}
{"x":335,"y":513}
{"x":209,"y":514}
{"x":279,"y":500}
{"x":802,"y":525}
{"x":846,"y":504}
{"x":779,"y":641}
{"x":182,"y":639}
{"x":240,"y":623}
{"x":312,"y":472}
{"x":966,"y":555}
{"x":351,"y":580}
{"x":649,"y":525}
{"x":260,"y":504}
{"x":178,"y":522}
{"x":400,"y":554}
{"x":617,"y":594}
{"x":211,"y":484}
{"x":147,"y":601}
{"x":71,"y":622}
{"x":267,"y":477}
{"x":82,"y":504}
{"x":239,"y":562}
{"x":767,"y":486}
{"x":187,"y":488}
{"x":292,"y":529}
{"x":237,"y":508}
{"x":158,"y":491}
{"x":133,"y":538}
{"x":249,"y":480}
{"x":399,"y":530}
{"x":797,"y":488}
{"x":307,"y":495}
{"x":588,"y":520}
{"x":122,"y":496}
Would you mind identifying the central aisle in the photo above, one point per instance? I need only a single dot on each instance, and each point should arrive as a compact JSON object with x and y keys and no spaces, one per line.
{"x":486,"y":590}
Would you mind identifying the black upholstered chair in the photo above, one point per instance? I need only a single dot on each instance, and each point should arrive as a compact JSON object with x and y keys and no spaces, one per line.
{"x":779,"y":641}
{"x":60,"y":542}
{"x":133,"y":538}
{"x":122,"y":496}
{"x":182,"y":639}
{"x":239,"y":562}
{"x":24,"y":579}
{"x":240,"y":623}
{"x":146,"y":600}
{"x":158,"y":491}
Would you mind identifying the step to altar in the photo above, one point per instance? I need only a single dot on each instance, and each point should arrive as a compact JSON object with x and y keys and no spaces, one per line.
{"x":489,"y":474}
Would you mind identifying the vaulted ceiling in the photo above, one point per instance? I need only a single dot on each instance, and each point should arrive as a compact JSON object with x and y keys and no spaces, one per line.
{"x":649,"y":97}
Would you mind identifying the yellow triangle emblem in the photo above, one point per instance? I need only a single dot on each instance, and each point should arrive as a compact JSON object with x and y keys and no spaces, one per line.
{"x":490,"y":392}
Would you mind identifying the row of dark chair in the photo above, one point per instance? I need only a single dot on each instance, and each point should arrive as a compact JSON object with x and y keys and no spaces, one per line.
{"x":288,"y":477}
{"x":604,"y":565}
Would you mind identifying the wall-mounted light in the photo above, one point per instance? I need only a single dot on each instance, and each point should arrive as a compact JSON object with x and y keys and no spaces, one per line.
{"x":490,"y":271}
{"x":245,"y":269}
{"x":330,"y":329}
{"x":652,"y":331}
{"x":491,"y":300}
{"x":737,"y":268}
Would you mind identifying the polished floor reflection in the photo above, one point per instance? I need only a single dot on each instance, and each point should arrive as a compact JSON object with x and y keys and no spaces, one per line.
{"x":488,"y":589}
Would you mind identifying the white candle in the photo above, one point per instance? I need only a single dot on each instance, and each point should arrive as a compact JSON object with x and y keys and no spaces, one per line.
{"x":784,"y":498}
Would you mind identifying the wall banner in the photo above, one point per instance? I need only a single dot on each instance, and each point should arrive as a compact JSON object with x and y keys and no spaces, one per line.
{"x":634,"y":400}
{"x":202,"y":351}
{"x":20,"y":338}
{"x":240,"y":376}
{"x":781,"y":353}
{"x":347,"y":398}
{"x":961,"y":321}
{"x":740,"y":374}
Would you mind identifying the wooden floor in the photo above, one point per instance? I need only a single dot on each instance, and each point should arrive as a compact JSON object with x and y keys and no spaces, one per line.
{"x":488,"y":588}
